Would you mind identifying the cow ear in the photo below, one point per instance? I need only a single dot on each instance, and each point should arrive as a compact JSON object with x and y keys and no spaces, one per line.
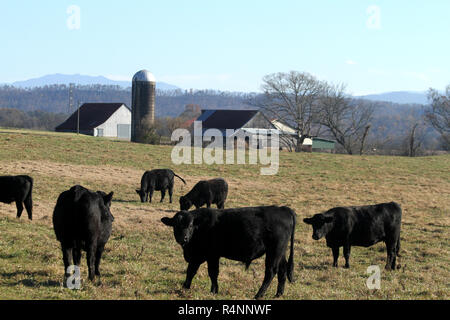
{"x":78,"y":190}
{"x":108,"y":198}
{"x":138,"y":191}
{"x":307,"y":220}
{"x":167,"y":221}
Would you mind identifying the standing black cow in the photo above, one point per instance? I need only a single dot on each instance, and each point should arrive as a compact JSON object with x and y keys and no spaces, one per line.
{"x":208,"y":192}
{"x":159,"y":180}
{"x":243,"y":234}
{"x":82,"y":220}
{"x":17,"y":189}
{"x":360,"y":226}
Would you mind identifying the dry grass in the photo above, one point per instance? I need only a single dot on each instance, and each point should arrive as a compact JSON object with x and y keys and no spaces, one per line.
{"x":142,"y":260}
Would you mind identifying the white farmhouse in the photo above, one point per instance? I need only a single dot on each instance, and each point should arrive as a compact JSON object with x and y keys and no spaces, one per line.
{"x":100,"y":120}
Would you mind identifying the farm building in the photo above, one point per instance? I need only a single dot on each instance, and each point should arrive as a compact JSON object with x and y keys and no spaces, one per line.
{"x":310,"y":144}
{"x":100,"y":120}
{"x":253,"y":123}
{"x":248,"y":122}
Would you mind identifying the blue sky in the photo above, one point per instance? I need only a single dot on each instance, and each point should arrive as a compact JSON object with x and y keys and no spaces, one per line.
{"x":372,"y":46}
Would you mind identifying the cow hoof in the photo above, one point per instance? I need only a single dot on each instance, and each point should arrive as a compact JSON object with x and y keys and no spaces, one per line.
{"x":347,"y":266}
{"x":186,"y":287}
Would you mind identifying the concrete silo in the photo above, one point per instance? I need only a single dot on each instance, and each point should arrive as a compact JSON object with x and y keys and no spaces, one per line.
{"x":143,"y":105}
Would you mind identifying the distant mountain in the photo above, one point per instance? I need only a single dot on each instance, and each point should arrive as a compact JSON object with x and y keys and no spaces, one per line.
{"x":401,"y":97}
{"x":81,"y":80}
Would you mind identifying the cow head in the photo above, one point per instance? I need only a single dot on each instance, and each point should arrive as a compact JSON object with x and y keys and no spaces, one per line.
{"x":142,"y":194}
{"x":183,"y":226}
{"x":107,"y":199}
{"x":322,"y":224}
{"x":185,"y":203}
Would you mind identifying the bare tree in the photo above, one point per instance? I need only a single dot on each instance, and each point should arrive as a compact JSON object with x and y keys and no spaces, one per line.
{"x":292,"y":98}
{"x":347,"y":120}
{"x":414,"y":134}
{"x":438,"y":114}
{"x":413,"y":143}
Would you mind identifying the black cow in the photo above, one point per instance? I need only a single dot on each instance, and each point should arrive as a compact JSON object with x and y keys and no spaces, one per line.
{"x":17,"y":189}
{"x":360,"y":226}
{"x":208,"y":192}
{"x":82,"y":220}
{"x":243,"y":234}
{"x":159,"y":180}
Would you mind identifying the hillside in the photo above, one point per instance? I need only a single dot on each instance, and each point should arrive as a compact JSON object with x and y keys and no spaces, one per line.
{"x":143,"y":261}
{"x":400,"y":97}
{"x":78,"y":79}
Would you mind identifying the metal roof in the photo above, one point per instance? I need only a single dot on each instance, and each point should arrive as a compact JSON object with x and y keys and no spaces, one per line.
{"x":92,"y":115}
{"x":226,"y":119}
{"x":144,"y":76}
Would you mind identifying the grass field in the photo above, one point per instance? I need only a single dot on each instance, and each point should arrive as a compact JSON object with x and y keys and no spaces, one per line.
{"x":143,"y":261}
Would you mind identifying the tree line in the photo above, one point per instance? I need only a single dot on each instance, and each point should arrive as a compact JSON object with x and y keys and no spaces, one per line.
{"x":312,"y":107}
{"x":318,"y":108}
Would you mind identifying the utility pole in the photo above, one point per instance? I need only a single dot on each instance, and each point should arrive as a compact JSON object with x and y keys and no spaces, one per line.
{"x":78,"y":118}
{"x":71,"y":85}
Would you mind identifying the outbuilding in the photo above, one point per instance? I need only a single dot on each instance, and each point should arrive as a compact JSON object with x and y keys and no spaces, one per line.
{"x":111,"y":120}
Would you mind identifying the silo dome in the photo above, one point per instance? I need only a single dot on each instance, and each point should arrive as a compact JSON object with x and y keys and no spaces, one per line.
{"x":144,"y":76}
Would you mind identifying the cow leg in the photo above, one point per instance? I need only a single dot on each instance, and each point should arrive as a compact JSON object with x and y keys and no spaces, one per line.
{"x":271,"y":270}
{"x":150,"y":195}
{"x":191,"y":271}
{"x":163,"y":194}
{"x":98,"y":257}
{"x":170,"y":193}
{"x":77,"y":254}
{"x":335,"y":256}
{"x":67,"y":258}
{"x":347,"y":249}
{"x":91,"y":251}
{"x":391,"y":253}
{"x":19,"y":207}
{"x":221,"y":205}
{"x":28,"y":202}
{"x":213,"y":271}
{"x":282,"y":273}
{"x":208,"y":204}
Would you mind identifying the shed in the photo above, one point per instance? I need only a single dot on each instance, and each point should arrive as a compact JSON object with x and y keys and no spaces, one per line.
{"x":320,"y":144}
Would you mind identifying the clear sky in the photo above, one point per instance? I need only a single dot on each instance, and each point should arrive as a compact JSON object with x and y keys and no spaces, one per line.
{"x":372,"y":46}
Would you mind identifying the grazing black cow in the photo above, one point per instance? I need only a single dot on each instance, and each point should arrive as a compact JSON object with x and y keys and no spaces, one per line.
{"x":17,"y":189}
{"x":159,"y":180}
{"x":243,"y":234}
{"x":208,"y":192}
{"x":360,"y":226}
{"x":82,"y":220}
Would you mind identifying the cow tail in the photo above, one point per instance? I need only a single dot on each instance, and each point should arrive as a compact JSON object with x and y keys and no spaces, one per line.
{"x":29,"y":199}
{"x":290,"y":264}
{"x":180,"y":178}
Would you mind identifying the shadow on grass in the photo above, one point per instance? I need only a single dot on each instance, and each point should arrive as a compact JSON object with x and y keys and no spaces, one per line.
{"x":8,"y":256}
{"x":126,"y":201}
{"x":31,"y":282}
{"x":314,"y":267}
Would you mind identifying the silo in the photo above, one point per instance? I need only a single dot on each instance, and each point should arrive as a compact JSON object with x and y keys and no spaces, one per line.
{"x":143,"y":105}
